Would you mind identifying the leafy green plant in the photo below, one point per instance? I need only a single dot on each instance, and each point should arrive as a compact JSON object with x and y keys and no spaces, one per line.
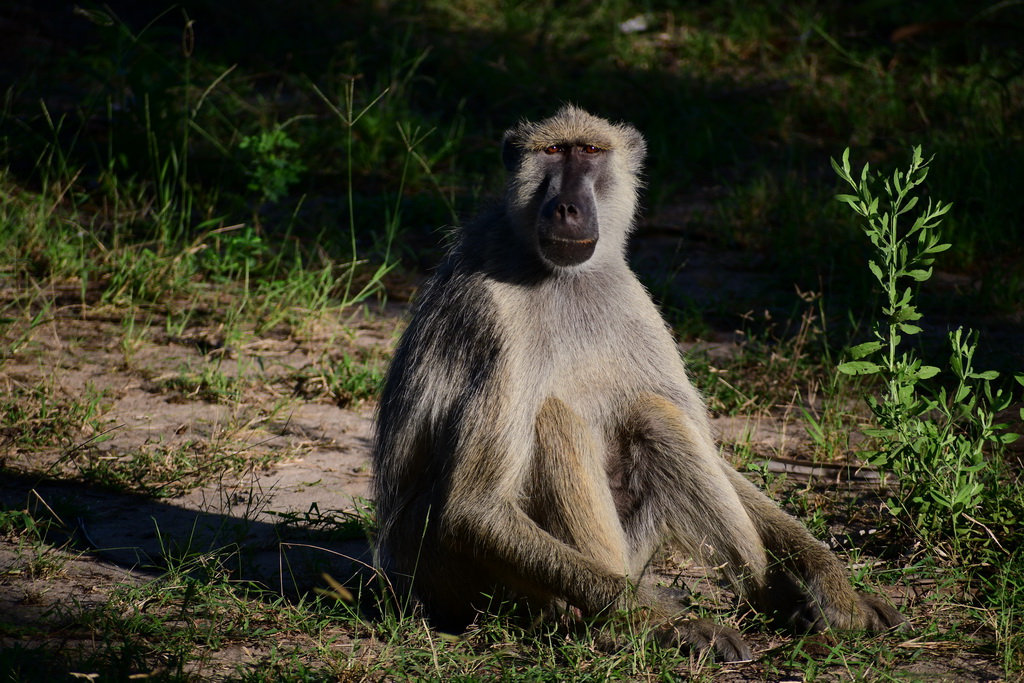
{"x":233,"y":253}
{"x":14,"y":337}
{"x":273,"y":166}
{"x":936,"y":439}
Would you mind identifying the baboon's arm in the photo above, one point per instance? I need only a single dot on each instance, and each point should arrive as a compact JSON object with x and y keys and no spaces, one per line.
{"x":485,"y":516}
{"x":522,"y":553}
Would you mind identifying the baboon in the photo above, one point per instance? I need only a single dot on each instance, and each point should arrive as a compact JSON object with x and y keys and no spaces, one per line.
{"x":538,"y":437}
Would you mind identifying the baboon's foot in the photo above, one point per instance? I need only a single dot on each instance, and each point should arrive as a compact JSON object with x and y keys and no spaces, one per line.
{"x":875,"y":614}
{"x":829,"y":605}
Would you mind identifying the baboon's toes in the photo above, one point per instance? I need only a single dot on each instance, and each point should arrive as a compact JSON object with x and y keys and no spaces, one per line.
{"x":868,"y":613}
{"x":879,"y":615}
{"x":702,"y":635}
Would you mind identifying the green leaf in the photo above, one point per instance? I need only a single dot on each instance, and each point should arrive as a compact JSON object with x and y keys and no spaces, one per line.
{"x":876,"y":270}
{"x":861,"y":350}
{"x":910,"y":205}
{"x":987,"y":375}
{"x":859,"y":367}
{"x":905,"y":298}
{"x":927,"y":372}
{"x":920,"y":275}
{"x":906,"y":313}
{"x":956,"y":364}
{"x":910,"y":329}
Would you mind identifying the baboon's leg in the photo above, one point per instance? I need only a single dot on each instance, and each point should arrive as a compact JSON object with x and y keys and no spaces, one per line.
{"x":568,"y":494}
{"x":715,"y":512}
{"x":570,"y":498}
{"x":445,"y":582}
{"x":671,"y":476}
{"x":807,"y":586}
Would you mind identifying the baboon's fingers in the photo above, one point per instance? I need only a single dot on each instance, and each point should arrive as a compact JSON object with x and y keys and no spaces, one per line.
{"x":703,"y":635}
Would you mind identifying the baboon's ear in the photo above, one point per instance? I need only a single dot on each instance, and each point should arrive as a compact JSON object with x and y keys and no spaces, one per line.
{"x":510,"y":154}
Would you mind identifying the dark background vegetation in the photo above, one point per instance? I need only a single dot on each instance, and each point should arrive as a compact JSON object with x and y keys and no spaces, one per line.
{"x":742,"y":103}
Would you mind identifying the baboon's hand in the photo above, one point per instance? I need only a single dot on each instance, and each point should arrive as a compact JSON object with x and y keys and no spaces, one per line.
{"x":703,"y":635}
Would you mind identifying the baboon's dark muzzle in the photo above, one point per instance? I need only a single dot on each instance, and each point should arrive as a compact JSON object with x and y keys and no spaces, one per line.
{"x":568,"y":231}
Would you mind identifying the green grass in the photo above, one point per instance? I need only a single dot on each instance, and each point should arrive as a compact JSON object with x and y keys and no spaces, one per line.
{"x":168,"y":471}
{"x":346,"y":380}
{"x":34,"y":557}
{"x":44,"y":416}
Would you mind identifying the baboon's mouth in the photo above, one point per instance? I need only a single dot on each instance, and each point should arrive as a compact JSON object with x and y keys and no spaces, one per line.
{"x":562,"y":251}
{"x":563,"y":240}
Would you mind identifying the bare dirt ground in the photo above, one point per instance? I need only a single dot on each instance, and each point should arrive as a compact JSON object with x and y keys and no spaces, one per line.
{"x":268,"y":461}
{"x":292,"y":453}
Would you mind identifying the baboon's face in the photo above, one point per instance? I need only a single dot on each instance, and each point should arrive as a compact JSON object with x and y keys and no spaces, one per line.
{"x":572,"y":187}
{"x":567,"y":225}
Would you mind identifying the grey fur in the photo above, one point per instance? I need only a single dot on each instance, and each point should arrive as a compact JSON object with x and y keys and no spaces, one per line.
{"x":538,"y":436}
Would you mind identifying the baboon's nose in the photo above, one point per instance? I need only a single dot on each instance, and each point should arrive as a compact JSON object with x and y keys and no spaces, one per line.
{"x":568,"y":212}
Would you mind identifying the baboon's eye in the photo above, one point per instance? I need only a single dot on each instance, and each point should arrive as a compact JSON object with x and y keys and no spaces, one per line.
{"x":591,"y":149}
{"x":554,"y":149}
